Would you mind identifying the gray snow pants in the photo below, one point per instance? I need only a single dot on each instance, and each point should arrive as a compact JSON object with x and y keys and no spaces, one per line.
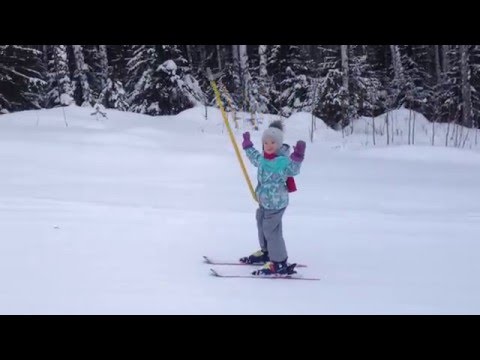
{"x":270,"y":237}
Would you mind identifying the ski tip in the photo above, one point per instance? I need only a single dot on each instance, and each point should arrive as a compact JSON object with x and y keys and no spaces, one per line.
{"x":214,"y":273}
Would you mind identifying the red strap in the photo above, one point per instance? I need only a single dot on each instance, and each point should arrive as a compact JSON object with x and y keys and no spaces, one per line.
{"x":291,"y":186}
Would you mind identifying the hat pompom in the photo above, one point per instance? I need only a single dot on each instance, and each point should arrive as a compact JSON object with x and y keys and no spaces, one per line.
{"x":277,"y":124}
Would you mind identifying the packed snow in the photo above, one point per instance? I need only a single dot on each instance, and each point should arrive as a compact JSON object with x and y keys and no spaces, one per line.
{"x":113,"y":215}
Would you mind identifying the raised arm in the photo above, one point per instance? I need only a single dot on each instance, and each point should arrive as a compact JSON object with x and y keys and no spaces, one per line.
{"x":253,"y":155}
{"x":296,"y":159}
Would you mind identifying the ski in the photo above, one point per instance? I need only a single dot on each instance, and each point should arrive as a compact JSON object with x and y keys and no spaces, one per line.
{"x":210,"y":261}
{"x":271,"y":277}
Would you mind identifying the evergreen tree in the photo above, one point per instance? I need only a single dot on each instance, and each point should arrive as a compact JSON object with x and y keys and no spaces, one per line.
{"x":162,"y":86}
{"x":60,"y":91}
{"x":22,"y":78}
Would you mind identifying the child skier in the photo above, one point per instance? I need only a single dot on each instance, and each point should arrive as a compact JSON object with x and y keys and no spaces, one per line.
{"x":274,"y":169}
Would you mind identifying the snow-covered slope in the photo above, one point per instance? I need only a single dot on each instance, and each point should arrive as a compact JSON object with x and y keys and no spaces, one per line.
{"x":113,"y":217}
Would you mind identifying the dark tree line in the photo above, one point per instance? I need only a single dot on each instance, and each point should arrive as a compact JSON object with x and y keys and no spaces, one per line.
{"x":337,"y":83}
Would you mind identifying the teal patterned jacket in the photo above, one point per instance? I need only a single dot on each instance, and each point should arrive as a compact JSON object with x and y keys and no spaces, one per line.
{"x":272,"y":192}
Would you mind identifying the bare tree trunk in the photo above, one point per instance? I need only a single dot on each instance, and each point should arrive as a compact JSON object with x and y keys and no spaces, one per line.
{"x":262,"y":80}
{"x":460,"y":135}
{"x":344,"y":60}
{"x":64,"y":116}
{"x":413,"y":129}
{"x":433,"y":132}
{"x":476,"y":130}
{"x":397,"y":62}
{"x":457,"y":135}
{"x":237,"y":68}
{"x":219,"y":58}
{"x":235,"y":53}
{"x":313,"y":95}
{"x":448,"y":133}
{"x":262,"y":52}
{"x":45,"y":54}
{"x":102,"y":53}
{"x":445,"y":62}
{"x":465,"y":138}
{"x":366,"y":131}
{"x":82,"y":76}
{"x":466,"y":91}
{"x":437,"y":64}
{"x":189,"y":55}
{"x":388,"y":130}
{"x":344,"y":51}
{"x":439,"y":74}
{"x":311,"y":129}
{"x":248,"y":104}
{"x":373,"y":124}
{"x":236,"y":56}
{"x":203,"y":58}
{"x":243,"y":57}
{"x":454,"y":134}
{"x":409,"y":125}
{"x":393,"y":128}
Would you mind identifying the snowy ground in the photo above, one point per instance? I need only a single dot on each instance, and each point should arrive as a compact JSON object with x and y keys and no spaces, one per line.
{"x":113,"y":217}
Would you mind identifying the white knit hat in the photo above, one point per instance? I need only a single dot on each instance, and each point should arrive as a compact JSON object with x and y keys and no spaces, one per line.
{"x":275,"y":132}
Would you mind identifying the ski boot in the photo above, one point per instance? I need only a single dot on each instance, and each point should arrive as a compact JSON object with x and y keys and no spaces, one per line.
{"x":276,"y":268}
{"x":258,"y":257}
